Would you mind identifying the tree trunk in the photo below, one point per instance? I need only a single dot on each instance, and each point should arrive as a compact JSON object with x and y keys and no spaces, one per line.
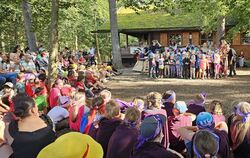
{"x":117,"y":61}
{"x":97,"y":42}
{"x":76,"y":43}
{"x":28,"y":26}
{"x":220,"y":30}
{"x":53,"y":55}
{"x":2,"y":42}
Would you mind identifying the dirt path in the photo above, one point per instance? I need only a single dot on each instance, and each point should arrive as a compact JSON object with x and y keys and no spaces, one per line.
{"x":229,"y":90}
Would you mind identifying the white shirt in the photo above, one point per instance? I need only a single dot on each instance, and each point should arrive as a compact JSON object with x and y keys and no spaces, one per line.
{"x":58,"y":113}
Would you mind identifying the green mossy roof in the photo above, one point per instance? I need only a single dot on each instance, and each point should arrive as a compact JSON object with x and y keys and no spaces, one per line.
{"x":154,"y":20}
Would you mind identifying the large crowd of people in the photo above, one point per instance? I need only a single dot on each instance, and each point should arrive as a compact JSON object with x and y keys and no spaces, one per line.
{"x":79,"y":118}
{"x":191,"y":62}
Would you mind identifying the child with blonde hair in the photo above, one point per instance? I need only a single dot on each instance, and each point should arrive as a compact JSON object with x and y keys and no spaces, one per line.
{"x":108,"y":124}
{"x":154,"y":105}
{"x":215,"y":108}
{"x":125,"y":136}
{"x":240,"y":130}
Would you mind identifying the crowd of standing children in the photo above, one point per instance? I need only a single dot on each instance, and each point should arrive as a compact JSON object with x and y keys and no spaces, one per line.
{"x":191,"y":62}
{"x":79,"y":118}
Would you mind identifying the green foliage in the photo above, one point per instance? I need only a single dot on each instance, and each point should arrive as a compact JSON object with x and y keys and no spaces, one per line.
{"x":77,"y":18}
{"x":153,"y":20}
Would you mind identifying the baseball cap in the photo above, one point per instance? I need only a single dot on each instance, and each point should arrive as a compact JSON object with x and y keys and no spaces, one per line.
{"x":63,"y":101}
{"x":151,"y":126}
{"x":181,"y":106}
{"x":204,"y":120}
{"x":8,"y":84}
{"x":72,"y":145}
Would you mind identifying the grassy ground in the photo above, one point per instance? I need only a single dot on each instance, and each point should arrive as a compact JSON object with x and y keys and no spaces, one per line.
{"x":228,"y":90}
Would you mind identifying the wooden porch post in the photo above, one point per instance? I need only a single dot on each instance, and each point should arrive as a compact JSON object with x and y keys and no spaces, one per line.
{"x":126,"y":40}
{"x":149,"y":39}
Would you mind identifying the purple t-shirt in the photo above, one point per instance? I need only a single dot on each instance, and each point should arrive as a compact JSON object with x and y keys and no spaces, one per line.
{"x":122,"y":142}
{"x":153,"y":150}
{"x":105,"y":131}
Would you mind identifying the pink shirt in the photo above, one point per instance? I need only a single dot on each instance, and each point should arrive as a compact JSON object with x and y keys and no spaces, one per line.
{"x":165,"y":132}
{"x":76,"y":125}
{"x":53,"y":97}
{"x":182,"y":121}
{"x":218,"y":118}
{"x":203,"y":64}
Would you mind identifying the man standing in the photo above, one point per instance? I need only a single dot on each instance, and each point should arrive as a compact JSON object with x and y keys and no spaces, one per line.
{"x":232,"y":61}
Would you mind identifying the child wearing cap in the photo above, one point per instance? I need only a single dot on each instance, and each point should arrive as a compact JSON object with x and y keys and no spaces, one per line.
{"x":180,"y":119}
{"x":108,"y":124}
{"x":205,"y":121}
{"x":149,"y":142}
{"x":240,"y":130}
{"x":125,"y":136}
{"x":60,"y":112}
{"x":6,"y":99}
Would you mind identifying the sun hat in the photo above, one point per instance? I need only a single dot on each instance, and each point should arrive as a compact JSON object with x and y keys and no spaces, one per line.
{"x":72,"y":145}
{"x":204,"y":120}
{"x":8,"y":84}
{"x":63,"y":101}
{"x":150,"y":128}
{"x":181,"y":106}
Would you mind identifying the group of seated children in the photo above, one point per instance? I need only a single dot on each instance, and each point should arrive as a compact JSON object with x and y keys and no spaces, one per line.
{"x":74,"y":123}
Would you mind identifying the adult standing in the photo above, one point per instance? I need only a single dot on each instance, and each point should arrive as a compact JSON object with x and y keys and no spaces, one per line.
{"x":231,"y":60}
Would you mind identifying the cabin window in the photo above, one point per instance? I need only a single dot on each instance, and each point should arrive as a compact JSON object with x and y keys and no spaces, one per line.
{"x":245,"y":38}
{"x":207,"y":38}
{"x":175,"y":39}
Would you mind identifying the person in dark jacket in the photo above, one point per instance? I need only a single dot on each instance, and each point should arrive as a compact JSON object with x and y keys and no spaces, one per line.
{"x":232,"y":61}
{"x":125,"y":136}
{"x":151,"y":135}
{"x":108,"y":124}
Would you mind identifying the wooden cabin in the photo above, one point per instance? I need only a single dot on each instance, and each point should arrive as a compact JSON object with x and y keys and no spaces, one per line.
{"x":161,"y":26}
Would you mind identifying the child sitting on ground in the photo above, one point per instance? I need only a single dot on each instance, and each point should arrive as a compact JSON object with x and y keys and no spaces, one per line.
{"x":125,"y":136}
{"x":197,"y":105}
{"x":215,"y":109}
{"x":168,"y":100}
{"x":77,"y":110}
{"x":240,"y":130}
{"x":108,"y":124}
{"x":180,"y":119}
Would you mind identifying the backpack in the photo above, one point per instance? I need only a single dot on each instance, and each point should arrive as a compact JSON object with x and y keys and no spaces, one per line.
{"x":87,"y":122}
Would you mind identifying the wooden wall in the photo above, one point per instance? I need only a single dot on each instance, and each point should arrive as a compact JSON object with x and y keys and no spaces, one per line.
{"x":164,"y":39}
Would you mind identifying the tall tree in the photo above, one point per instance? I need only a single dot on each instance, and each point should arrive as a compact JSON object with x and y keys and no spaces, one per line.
{"x":117,"y":60}
{"x":28,"y":26}
{"x":53,"y":55}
